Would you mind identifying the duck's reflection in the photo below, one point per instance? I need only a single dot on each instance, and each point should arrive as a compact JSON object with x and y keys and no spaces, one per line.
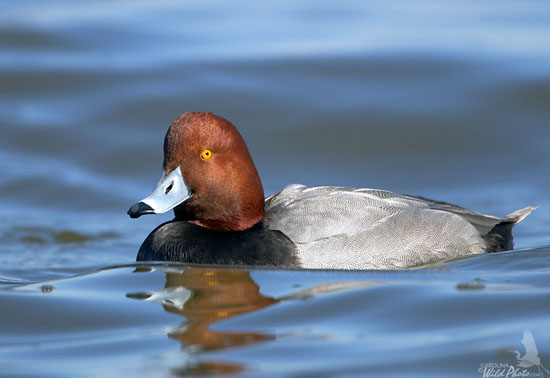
{"x":216,"y":295}
{"x":204,"y":296}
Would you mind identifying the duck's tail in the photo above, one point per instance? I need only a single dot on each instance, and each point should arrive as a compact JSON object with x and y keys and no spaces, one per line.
{"x":500,"y":237}
{"x":519,"y":215}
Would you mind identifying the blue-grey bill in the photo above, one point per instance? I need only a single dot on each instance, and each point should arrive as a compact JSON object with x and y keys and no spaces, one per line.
{"x":170,"y":191}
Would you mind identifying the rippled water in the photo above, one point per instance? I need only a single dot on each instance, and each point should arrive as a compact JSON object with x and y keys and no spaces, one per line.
{"x":449,"y":100}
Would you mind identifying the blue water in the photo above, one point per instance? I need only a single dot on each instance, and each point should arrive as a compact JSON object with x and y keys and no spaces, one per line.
{"x":448,"y":100}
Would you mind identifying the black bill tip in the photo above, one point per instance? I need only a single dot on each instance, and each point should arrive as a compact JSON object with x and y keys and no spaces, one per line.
{"x":140,"y":209}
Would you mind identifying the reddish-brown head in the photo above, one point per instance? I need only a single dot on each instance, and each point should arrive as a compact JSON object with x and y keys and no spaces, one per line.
{"x":220,"y":188}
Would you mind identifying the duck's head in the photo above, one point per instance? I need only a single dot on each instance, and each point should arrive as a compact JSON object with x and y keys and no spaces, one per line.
{"x":208,"y":176}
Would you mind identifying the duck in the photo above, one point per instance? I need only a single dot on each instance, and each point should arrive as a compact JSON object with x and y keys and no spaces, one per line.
{"x":210,"y":182}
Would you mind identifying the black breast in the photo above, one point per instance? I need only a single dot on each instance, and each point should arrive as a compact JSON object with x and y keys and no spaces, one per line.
{"x":182,"y":241}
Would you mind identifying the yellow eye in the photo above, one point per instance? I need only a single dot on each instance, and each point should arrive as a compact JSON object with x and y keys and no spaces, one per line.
{"x":206,"y":154}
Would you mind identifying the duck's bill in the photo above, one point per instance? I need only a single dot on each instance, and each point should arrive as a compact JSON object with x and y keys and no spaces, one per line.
{"x":170,"y":191}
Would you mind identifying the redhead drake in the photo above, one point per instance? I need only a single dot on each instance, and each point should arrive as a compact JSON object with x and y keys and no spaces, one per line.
{"x":221,"y":216}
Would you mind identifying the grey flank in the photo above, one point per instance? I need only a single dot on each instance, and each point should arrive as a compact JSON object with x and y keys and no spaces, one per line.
{"x":346,"y":228}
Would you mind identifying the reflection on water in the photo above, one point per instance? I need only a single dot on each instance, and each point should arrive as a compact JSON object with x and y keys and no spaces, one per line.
{"x":209,"y":321}
{"x":205,"y":296}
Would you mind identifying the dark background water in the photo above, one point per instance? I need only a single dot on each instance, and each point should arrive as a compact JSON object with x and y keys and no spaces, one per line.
{"x":449,"y":100}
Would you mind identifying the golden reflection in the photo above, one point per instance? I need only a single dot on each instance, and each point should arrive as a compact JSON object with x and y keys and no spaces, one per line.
{"x":216,"y":294}
{"x":205,"y":296}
